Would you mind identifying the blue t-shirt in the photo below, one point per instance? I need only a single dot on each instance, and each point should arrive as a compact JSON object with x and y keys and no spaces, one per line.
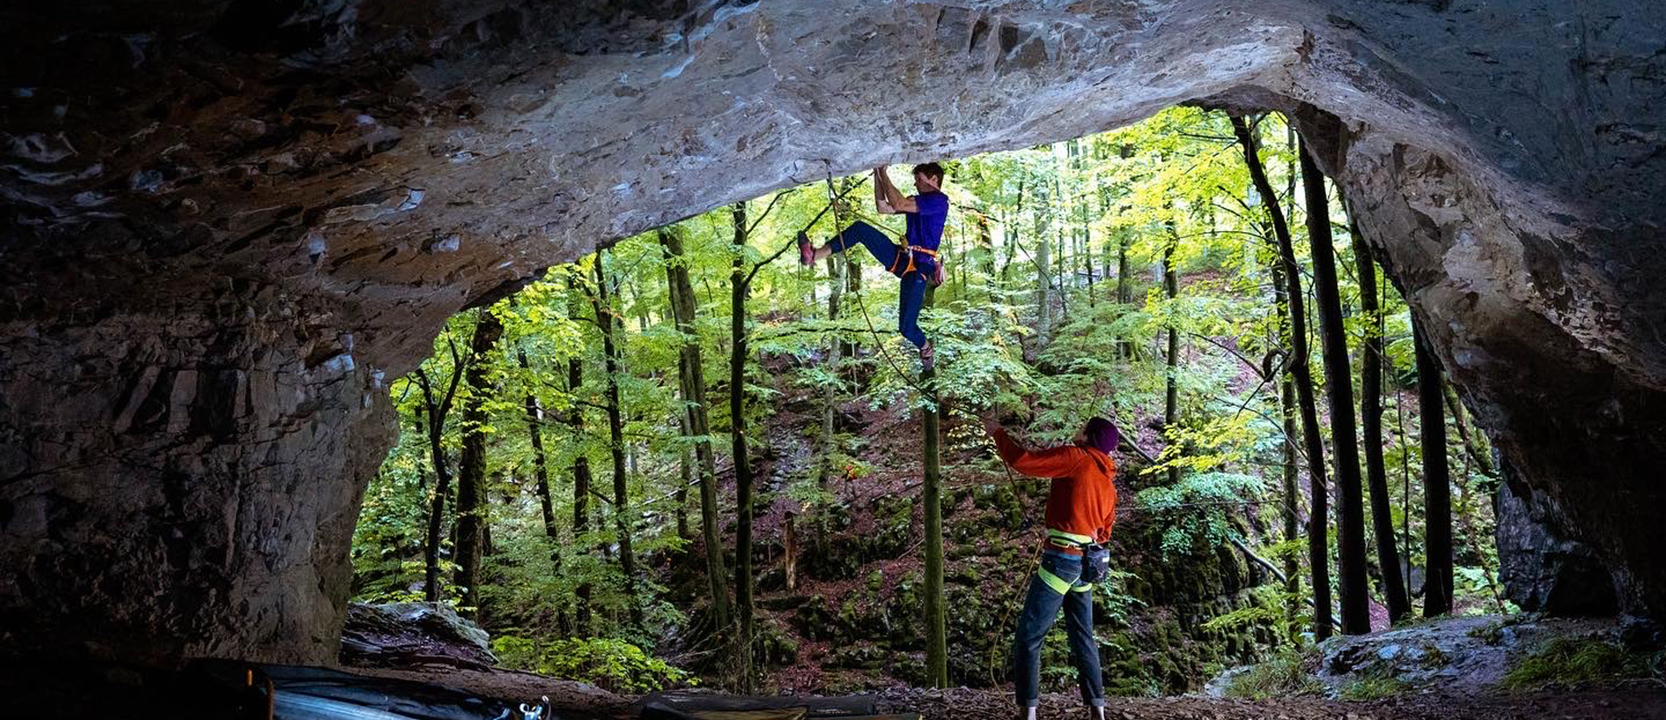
{"x":925,"y":227}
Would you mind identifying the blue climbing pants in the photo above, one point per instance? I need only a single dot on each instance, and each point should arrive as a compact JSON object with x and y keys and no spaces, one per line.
{"x":1055,"y":584}
{"x":913,"y":293}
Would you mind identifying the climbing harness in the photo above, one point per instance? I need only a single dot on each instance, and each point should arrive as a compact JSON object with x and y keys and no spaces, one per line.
{"x":1096,"y":559}
{"x":904,"y":263}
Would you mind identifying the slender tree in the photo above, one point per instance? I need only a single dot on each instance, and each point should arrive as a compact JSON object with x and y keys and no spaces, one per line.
{"x":1437,"y":480}
{"x":541,"y":473}
{"x":1171,"y":391}
{"x":1371,"y":423}
{"x":471,"y":465}
{"x":1009,"y":231}
{"x":1473,"y":440}
{"x":610,"y":323}
{"x":696,"y":420}
{"x":1288,"y":417}
{"x":852,"y":265}
{"x":931,"y":499}
{"x":835,"y":351}
{"x":1124,"y":287}
{"x":581,"y":462}
{"x":540,"y":466}
{"x":685,"y":473}
{"x":1317,"y":530}
{"x":740,"y":279}
{"x":1339,"y":388}
{"x":1043,"y":283}
{"x":436,"y":411}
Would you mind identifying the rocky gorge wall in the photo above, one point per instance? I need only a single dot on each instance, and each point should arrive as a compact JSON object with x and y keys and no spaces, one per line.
{"x":228,"y":223}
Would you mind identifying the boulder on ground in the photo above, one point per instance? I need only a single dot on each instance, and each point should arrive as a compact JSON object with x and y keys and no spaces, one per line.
{"x":409,"y":634}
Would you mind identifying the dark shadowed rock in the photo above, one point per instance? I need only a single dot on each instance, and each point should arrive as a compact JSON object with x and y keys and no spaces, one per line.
{"x":228,"y":225}
{"x":1543,"y":570}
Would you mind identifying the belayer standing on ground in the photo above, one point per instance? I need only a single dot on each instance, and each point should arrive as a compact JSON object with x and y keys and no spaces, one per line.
{"x":915,"y":261}
{"x":1081,"y":508}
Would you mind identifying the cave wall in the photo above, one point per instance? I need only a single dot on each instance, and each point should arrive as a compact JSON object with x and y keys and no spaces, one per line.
{"x":228,"y":223}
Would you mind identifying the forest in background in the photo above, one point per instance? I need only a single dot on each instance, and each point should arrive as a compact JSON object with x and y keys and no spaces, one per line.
{"x":688,"y":444}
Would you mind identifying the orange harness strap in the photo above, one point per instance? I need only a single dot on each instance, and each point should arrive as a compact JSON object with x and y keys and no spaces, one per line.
{"x":908,"y":252}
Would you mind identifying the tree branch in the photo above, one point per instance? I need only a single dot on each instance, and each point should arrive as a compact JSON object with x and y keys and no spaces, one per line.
{"x":794,"y":240}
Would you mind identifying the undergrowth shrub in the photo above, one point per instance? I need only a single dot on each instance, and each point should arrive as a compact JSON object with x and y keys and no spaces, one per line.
{"x":610,"y":664}
{"x":1284,"y":675}
{"x":1573,"y":661}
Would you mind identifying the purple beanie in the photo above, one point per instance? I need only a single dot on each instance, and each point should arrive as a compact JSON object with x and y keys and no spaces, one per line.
{"x":1103,"y":434}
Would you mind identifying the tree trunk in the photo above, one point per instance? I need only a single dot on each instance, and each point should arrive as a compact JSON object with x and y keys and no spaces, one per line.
{"x":1010,"y":231}
{"x":541,"y":475}
{"x":1086,"y":254}
{"x":540,"y":470}
{"x":789,"y":544}
{"x":1317,"y":530}
{"x":1339,"y":385}
{"x":1060,"y":264}
{"x":1124,"y":287}
{"x":931,"y":499}
{"x":1287,"y":415}
{"x":853,"y":285}
{"x":471,"y":466}
{"x":1371,"y":421}
{"x":685,"y":479}
{"x":743,"y":465}
{"x":581,"y":467}
{"x":986,"y":244}
{"x":437,"y":412}
{"x":1171,"y":393}
{"x":1472,"y":438}
{"x":610,"y":323}
{"x":1437,"y":488}
{"x":835,"y":351}
{"x":697,"y":421}
{"x":1043,"y":283}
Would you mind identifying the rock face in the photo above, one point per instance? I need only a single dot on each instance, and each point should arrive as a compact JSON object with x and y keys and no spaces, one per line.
{"x":227,"y":223}
{"x":1542,"y":569}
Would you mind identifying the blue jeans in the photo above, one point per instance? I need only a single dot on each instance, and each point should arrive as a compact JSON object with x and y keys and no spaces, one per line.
{"x":913,"y":293}
{"x":1055,"y":584}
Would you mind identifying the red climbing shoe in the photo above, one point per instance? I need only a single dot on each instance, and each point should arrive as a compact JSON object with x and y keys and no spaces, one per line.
{"x":927,"y":355}
{"x":806,"y":251}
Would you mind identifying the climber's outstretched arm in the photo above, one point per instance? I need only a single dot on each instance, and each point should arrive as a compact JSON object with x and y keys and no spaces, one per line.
{"x":1051,"y":463}
{"x":889,"y":199}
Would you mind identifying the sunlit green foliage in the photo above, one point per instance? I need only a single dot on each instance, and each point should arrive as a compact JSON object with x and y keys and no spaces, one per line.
{"x":608,"y":664}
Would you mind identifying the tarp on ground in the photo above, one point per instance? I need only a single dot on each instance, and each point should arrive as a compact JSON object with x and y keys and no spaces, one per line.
{"x":308,"y":693}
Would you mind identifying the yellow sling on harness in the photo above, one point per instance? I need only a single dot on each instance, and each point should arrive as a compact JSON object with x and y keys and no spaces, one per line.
{"x":1066,"y":540}
{"x":1060,"y":585}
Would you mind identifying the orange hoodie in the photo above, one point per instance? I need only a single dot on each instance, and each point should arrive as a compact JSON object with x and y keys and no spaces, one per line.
{"x":1082,"y":500}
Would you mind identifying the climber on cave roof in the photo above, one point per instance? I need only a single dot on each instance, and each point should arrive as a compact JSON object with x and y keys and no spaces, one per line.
{"x":1081,"y":508}
{"x":915,"y":261}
